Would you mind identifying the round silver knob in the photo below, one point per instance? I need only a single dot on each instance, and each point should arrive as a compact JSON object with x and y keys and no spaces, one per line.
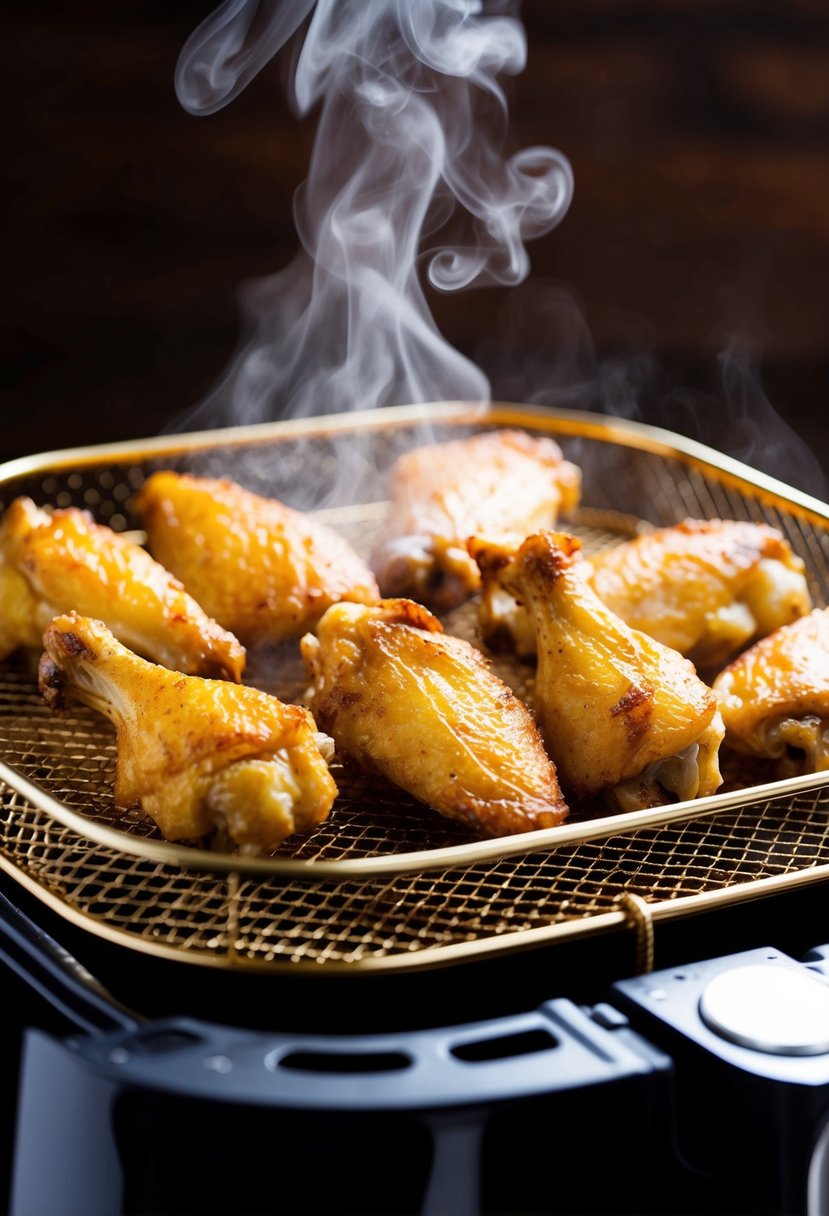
{"x":780,"y":1010}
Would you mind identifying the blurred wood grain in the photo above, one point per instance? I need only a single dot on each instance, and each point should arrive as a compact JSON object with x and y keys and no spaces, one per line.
{"x":698,"y":134}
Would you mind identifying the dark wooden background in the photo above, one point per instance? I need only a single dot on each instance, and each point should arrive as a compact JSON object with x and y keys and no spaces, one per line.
{"x":698,"y":131}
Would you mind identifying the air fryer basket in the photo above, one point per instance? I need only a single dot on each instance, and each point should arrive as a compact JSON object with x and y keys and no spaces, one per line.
{"x":386,"y":883}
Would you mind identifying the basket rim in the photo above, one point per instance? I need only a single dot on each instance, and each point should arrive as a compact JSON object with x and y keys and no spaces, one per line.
{"x":555,"y":419}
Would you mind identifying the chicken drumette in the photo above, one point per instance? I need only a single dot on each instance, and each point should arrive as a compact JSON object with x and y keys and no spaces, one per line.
{"x":620,"y":712}
{"x":704,"y":588}
{"x":774,"y":698}
{"x":403,"y":699}
{"x":443,"y":493}
{"x":260,"y":568}
{"x":197,"y":755}
{"x":54,"y":563}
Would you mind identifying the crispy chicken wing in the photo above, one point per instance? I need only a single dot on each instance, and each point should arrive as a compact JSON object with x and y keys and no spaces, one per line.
{"x":704,"y":588}
{"x":195,"y":754}
{"x":441,"y":494}
{"x":260,"y":568}
{"x":775,"y":696}
{"x":619,"y":711}
{"x":64,"y":561}
{"x":402,"y":698}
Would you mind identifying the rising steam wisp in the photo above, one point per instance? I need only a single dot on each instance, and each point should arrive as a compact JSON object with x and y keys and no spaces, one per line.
{"x":410,"y":138}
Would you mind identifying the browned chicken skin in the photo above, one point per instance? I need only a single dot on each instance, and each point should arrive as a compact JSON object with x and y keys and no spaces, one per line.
{"x":443,"y":493}
{"x":260,"y":568}
{"x":403,"y":699}
{"x":704,"y":588}
{"x":195,"y":754}
{"x":619,"y":711}
{"x":775,"y":696}
{"x":53,"y":563}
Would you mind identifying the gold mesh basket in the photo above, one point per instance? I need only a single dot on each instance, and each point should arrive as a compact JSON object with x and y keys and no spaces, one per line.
{"x":385,"y":883}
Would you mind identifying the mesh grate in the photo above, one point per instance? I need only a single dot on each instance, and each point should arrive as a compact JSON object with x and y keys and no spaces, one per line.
{"x":423,"y":914}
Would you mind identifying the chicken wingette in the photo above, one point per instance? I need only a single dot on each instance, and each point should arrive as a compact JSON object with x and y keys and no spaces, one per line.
{"x":774,"y":698}
{"x":621,"y":713}
{"x":64,"y":561}
{"x":405,"y":700}
{"x":703,"y":587}
{"x":196,"y":755}
{"x":260,"y":568}
{"x":443,"y":493}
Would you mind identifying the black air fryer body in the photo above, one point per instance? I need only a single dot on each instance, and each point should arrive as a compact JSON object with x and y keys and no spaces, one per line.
{"x":550,"y":1081}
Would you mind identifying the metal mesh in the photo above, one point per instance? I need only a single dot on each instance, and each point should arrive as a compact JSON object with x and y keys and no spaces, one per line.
{"x":262,"y":922}
{"x":420,"y":916}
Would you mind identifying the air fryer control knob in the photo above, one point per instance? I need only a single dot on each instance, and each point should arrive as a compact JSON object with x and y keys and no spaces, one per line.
{"x":780,"y":1010}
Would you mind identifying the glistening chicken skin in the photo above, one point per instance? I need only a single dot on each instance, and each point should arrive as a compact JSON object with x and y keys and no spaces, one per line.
{"x":442,"y":493}
{"x":260,"y":568}
{"x":54,"y":563}
{"x":775,"y":696}
{"x":197,"y":755}
{"x":403,"y":699}
{"x":702,"y":587}
{"x":620,"y":712}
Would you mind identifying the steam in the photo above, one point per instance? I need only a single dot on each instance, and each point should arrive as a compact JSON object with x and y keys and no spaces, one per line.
{"x":409,"y":144}
{"x":744,"y":423}
{"x":546,"y":355}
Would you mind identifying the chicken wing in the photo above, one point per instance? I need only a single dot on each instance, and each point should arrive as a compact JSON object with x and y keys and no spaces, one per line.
{"x":55,"y":563}
{"x":195,"y":754}
{"x":260,"y":568}
{"x":704,"y":588}
{"x":500,"y":481}
{"x":619,"y":711}
{"x":403,"y":699}
{"x":774,"y":698}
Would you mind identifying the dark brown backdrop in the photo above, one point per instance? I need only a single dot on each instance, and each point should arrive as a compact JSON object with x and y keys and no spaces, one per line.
{"x":699,"y":137}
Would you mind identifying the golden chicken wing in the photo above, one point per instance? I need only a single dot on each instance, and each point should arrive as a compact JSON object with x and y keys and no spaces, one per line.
{"x":619,"y":711}
{"x":441,"y":494}
{"x":704,"y":588}
{"x":774,"y":698}
{"x":403,"y":699}
{"x":195,"y":754}
{"x":260,"y":568}
{"x":54,"y":563}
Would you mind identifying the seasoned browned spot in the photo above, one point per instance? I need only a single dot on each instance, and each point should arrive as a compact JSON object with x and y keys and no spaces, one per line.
{"x":408,"y":612}
{"x":72,"y":644}
{"x":349,"y":698}
{"x":334,"y":700}
{"x":547,"y":555}
{"x":636,"y":705}
{"x":50,"y":682}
